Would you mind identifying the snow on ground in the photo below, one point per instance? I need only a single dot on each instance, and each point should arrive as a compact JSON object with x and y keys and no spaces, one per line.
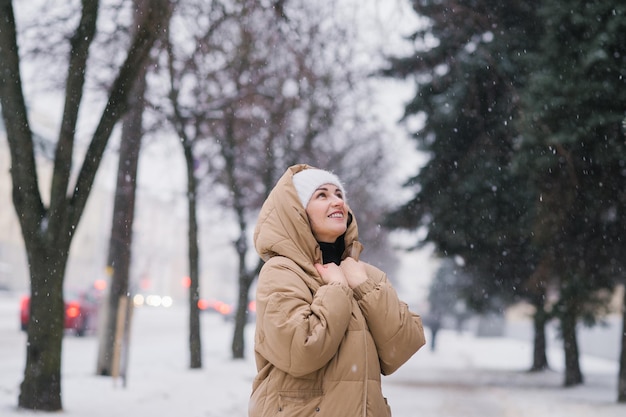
{"x":466,"y":376}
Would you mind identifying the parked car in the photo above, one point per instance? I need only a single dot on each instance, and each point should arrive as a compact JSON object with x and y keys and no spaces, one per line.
{"x":226,"y":310}
{"x":216,"y":306}
{"x":81,"y":312}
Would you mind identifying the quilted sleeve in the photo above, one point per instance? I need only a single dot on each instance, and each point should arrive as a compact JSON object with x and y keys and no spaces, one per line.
{"x":397,"y":332}
{"x":297,"y":331}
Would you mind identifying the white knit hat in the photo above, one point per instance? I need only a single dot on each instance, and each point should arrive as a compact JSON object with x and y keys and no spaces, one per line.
{"x":309,"y":180}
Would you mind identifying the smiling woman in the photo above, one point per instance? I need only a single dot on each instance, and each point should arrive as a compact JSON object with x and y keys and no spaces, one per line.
{"x":328,"y":325}
{"x":323,"y":196}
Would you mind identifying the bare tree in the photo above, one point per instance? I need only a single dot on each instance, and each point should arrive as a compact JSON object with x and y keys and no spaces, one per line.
{"x":264,"y":87}
{"x":188,"y":138}
{"x":48,"y":230}
{"x":120,"y":241}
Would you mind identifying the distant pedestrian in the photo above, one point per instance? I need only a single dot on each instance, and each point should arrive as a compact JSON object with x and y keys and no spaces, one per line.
{"x":433,"y":322}
{"x":328,"y":325}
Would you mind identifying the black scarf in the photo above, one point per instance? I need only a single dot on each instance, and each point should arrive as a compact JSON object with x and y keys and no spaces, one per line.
{"x":331,"y":252}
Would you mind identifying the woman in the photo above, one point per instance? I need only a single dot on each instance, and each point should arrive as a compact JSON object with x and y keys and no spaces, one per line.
{"x":328,"y":325}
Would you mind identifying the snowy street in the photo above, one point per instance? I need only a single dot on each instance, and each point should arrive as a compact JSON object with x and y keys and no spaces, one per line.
{"x":465,"y":377}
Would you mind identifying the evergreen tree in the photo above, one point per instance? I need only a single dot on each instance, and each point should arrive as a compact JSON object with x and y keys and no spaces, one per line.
{"x":574,"y":150}
{"x":471,"y":201}
{"x":523,"y":106}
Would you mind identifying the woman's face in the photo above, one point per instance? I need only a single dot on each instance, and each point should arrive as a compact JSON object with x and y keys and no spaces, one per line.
{"x":327,"y":213}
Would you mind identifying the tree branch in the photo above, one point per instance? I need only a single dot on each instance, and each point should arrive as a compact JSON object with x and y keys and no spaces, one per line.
{"x":80,"y":42}
{"x":149,"y":30}
{"x":26,"y":195}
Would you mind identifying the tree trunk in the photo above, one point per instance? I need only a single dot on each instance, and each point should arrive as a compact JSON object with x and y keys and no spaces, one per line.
{"x":179,"y":122}
{"x":241,"y":318}
{"x":540,"y":360}
{"x":120,"y":242}
{"x":195,"y":343}
{"x":238,"y":345}
{"x":41,"y":386}
{"x":621,"y":385}
{"x":573,"y":374}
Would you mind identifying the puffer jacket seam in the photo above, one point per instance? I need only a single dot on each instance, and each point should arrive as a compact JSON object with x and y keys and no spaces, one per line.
{"x":366,"y":373}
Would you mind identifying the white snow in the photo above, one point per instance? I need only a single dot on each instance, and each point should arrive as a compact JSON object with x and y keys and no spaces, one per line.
{"x":466,"y":376}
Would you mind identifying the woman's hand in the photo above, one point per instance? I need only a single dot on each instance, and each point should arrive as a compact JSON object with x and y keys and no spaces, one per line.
{"x":354,"y":271}
{"x":331,"y":273}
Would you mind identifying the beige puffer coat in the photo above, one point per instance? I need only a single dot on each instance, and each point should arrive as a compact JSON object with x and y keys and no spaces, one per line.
{"x":320,"y":349}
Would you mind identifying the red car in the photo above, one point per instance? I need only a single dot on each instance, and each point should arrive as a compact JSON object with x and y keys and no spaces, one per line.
{"x":81,"y":312}
{"x":226,"y":310}
{"x":215,"y":306}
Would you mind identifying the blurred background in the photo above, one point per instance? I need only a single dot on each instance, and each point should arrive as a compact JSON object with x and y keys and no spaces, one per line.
{"x":482,"y":144}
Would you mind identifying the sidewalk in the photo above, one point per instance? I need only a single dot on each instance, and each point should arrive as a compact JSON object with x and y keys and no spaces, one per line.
{"x":468,"y":376}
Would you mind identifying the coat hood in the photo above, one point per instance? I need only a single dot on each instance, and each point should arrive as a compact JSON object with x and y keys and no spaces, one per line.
{"x":283,"y":227}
